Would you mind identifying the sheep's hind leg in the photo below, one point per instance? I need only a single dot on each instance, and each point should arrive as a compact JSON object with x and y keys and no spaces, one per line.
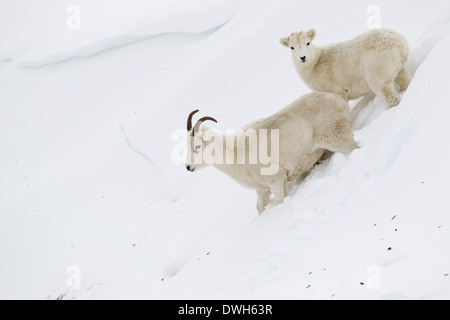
{"x":338,"y":138}
{"x":381,"y":77}
{"x":403,"y":79}
{"x":263,"y":200}
{"x":390,"y":95}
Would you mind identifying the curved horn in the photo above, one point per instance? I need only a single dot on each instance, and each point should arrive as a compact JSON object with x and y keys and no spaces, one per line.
{"x":189,"y":121}
{"x":199,"y":123}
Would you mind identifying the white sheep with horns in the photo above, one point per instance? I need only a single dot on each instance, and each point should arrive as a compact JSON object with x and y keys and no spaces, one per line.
{"x":304,"y":131}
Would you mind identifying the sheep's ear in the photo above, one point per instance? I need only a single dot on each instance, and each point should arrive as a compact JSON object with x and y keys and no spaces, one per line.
{"x":285,"y":42}
{"x":311,"y":34}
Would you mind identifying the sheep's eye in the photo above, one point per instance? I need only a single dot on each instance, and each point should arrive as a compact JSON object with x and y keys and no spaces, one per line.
{"x":197,"y":147}
{"x":308,"y":44}
{"x":292,"y":48}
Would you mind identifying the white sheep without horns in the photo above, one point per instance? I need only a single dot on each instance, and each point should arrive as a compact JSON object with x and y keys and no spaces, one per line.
{"x":305,"y":129}
{"x":372,"y":62}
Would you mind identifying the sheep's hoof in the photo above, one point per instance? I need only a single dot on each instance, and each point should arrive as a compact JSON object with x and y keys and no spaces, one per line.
{"x":394,"y":102}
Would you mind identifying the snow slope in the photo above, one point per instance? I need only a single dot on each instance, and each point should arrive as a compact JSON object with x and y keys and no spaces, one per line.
{"x":88,"y":27}
{"x":87,"y":177}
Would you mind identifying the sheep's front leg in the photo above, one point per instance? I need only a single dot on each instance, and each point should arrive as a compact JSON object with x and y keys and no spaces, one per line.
{"x":280,"y":191}
{"x":263,"y":200}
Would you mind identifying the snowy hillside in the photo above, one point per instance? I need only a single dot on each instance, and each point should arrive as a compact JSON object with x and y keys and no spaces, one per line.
{"x":95,"y":200}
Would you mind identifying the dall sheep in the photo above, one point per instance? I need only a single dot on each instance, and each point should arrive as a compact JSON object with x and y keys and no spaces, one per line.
{"x":371,"y":62}
{"x":303,"y":131}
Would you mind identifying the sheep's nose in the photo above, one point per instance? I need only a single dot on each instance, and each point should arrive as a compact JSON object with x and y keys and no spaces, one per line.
{"x":303,"y":58}
{"x":188,"y":168}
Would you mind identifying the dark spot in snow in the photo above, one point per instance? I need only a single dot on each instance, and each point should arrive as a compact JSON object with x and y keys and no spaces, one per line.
{"x":446,"y":275}
{"x":310,"y":273}
{"x":308,"y":287}
{"x":394,"y":217}
{"x":208,"y":253}
{"x":362,"y":283}
{"x":389,"y":249}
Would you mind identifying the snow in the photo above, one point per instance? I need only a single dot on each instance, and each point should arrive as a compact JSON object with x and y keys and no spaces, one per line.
{"x":88,"y":182}
{"x":55,"y":36}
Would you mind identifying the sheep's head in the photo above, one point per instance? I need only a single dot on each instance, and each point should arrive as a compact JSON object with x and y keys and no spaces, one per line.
{"x":300,"y":43}
{"x":196,"y":142}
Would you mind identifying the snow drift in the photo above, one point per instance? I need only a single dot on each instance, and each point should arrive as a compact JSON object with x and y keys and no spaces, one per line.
{"x":102,"y":25}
